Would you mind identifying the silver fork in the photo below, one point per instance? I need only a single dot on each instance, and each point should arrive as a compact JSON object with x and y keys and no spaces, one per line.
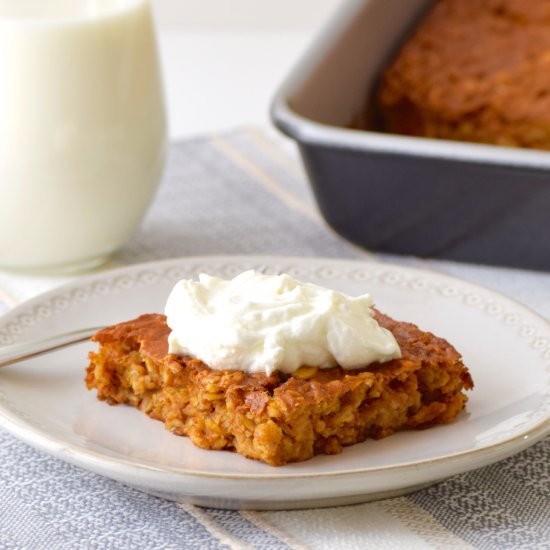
{"x":25,"y":350}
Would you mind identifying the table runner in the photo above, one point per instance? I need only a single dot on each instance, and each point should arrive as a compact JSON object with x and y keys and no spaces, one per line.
{"x":244,"y":192}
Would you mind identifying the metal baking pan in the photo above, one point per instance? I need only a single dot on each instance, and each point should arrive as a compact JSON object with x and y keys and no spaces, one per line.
{"x":406,"y":195}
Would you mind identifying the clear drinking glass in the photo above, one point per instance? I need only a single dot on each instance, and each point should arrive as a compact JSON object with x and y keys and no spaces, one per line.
{"x":82,"y":129}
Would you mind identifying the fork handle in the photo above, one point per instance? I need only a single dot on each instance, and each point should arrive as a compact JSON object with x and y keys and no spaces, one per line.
{"x":25,"y":350}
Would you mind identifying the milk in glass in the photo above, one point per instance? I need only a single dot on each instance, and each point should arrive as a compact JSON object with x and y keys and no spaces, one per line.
{"x":82,"y":129}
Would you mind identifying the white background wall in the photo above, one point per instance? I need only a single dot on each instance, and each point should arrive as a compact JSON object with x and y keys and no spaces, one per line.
{"x":223,"y":59}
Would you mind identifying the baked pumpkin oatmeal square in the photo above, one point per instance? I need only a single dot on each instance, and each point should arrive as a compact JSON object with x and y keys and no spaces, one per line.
{"x":280,"y":418}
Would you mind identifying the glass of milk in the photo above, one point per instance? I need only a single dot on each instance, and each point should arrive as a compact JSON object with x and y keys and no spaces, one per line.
{"x":82,"y":129}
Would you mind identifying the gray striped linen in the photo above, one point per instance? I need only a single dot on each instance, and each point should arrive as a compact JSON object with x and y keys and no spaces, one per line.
{"x":243,"y":192}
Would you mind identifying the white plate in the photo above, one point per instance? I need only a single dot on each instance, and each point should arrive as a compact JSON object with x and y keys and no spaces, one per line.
{"x":505,"y":345}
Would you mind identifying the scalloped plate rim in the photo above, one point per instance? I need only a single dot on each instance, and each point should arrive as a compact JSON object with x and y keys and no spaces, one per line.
{"x":74,"y":454}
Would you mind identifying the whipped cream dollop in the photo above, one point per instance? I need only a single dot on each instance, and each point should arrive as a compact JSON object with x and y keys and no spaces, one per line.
{"x":264,"y":323}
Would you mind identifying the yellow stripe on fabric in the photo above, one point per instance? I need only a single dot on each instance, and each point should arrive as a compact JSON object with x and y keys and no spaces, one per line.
{"x":259,"y":519}
{"x":265,"y":179}
{"x":214,"y":528}
{"x":423,"y":524}
{"x":384,"y":525}
{"x":272,"y":185}
{"x":8,"y":298}
{"x":274,"y":151}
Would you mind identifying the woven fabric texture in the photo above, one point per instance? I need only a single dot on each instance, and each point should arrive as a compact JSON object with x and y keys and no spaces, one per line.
{"x":244,"y":192}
